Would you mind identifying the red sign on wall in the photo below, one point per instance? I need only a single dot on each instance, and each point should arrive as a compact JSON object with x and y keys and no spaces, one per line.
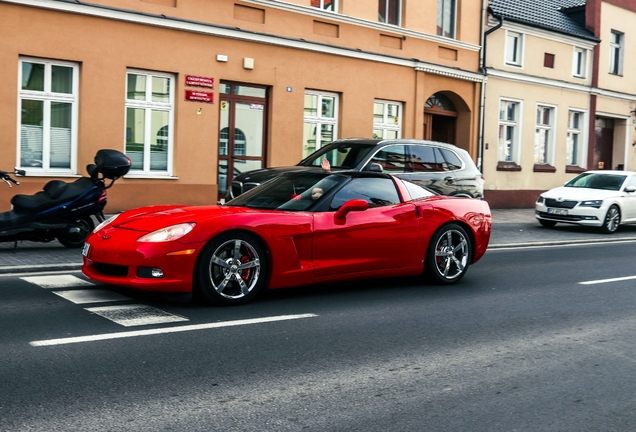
{"x":199,"y":96}
{"x":199,"y":81}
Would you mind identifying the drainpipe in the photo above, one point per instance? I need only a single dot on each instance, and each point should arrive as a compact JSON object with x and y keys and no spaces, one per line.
{"x":486,"y":11}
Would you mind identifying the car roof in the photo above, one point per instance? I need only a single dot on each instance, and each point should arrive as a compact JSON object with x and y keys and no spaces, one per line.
{"x":613,"y":172}
{"x":405,"y":141}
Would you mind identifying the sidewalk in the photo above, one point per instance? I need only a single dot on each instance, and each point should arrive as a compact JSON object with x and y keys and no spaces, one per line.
{"x":511,"y":227}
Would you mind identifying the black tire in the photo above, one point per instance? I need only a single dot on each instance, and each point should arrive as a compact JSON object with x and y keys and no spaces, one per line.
{"x":76,"y":240}
{"x":448,"y":254}
{"x":612,"y":220}
{"x":232,"y":269}
{"x":547,"y":223}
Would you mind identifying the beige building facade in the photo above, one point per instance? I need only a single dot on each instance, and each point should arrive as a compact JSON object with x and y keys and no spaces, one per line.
{"x":196,"y":91}
{"x":560,"y":95}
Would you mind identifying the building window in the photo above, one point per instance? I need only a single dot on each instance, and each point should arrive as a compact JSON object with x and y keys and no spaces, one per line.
{"x":514,"y":48}
{"x":509,"y":132}
{"x":579,"y":63}
{"x":446,"y":18}
{"x":387,"y":120}
{"x":329,"y":5}
{"x":544,"y":135}
{"x":575,"y":150}
{"x":47,"y":109}
{"x":389,"y":11}
{"x":149,"y":122}
{"x":616,"y":53}
{"x":320,"y":120}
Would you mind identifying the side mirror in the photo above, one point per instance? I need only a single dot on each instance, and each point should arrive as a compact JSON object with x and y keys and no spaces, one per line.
{"x":630,"y":189}
{"x":349,"y":206}
{"x":374,"y":167}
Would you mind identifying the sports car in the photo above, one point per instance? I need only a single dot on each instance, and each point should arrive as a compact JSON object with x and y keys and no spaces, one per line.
{"x":301,"y":228}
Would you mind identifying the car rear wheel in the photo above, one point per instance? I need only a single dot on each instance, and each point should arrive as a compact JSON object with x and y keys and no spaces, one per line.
{"x":547,"y":223}
{"x":612,"y":220}
{"x":448,"y":254}
{"x":232,"y":269}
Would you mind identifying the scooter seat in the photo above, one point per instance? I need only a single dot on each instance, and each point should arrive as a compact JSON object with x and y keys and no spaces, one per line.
{"x":54,"y":192}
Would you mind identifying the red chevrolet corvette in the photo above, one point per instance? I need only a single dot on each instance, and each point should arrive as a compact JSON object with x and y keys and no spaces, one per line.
{"x":300,"y":228}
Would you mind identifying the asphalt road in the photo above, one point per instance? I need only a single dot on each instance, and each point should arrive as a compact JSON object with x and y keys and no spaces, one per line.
{"x":525,"y":342}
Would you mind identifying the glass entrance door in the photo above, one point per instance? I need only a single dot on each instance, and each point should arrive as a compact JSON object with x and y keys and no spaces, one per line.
{"x":242,"y":131}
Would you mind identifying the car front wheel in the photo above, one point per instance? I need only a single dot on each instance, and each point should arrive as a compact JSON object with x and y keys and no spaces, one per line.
{"x":232,"y":269}
{"x":612,"y":220}
{"x":448,"y":254}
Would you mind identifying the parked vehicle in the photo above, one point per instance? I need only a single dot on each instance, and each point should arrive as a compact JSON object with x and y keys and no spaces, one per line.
{"x":442,"y":168}
{"x":61,"y":210}
{"x":604,"y":199}
{"x":300,"y":228}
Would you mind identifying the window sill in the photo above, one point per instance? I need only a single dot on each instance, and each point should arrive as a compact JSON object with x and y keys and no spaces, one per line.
{"x":573,"y":169}
{"x":508,"y":166}
{"x":544,"y":168}
{"x":150,"y":176}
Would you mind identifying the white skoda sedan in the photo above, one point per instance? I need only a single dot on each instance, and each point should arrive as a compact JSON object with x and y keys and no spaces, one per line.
{"x":604,"y":199}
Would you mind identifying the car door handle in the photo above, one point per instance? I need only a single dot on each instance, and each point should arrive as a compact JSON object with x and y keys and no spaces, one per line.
{"x":448,"y":179}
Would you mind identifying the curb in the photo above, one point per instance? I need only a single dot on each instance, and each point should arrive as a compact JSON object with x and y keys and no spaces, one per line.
{"x":39,"y":268}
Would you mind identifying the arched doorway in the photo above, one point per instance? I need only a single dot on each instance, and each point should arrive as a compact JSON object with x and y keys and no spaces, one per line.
{"x":440,"y":119}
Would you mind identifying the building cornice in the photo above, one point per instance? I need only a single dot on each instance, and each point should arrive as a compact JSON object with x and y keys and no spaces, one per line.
{"x":360,"y":22}
{"x":164,"y":21}
{"x":546,"y":82}
{"x":544,"y":33}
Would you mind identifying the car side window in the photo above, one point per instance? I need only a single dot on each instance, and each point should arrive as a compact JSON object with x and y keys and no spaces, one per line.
{"x":425,"y":158}
{"x":631,"y":182}
{"x":392,"y":159}
{"x":376,"y":191}
{"x":451,"y":160}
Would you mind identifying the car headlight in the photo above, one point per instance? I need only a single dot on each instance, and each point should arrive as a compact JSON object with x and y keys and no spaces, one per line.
{"x":592,"y":203}
{"x":167,"y":234}
{"x":106,"y":222}
{"x":540,"y":200}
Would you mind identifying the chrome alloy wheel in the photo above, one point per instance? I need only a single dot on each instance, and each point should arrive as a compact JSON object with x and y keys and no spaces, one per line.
{"x":451,"y":254}
{"x":234,"y":269}
{"x":612,"y":220}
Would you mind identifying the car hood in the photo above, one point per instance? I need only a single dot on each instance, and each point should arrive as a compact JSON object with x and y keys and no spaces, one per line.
{"x":148,"y":219}
{"x":265,"y":174}
{"x":579,"y":194}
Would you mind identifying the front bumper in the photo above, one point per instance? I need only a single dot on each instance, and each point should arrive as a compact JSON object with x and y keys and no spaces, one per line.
{"x":121,"y":260}
{"x":586,"y":216}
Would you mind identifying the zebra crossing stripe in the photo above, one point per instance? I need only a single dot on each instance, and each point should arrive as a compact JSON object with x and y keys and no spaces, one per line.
{"x":57,"y":281}
{"x":91,"y":296}
{"x":136,"y":315}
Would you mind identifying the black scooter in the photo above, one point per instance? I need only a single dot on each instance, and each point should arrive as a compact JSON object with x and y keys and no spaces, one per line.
{"x":62,"y":211}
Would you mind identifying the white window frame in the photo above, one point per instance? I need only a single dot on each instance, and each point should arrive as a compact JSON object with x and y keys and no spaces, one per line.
{"x":515,"y":145}
{"x":388,"y":124}
{"x":545,"y":156}
{"x":386,"y":13}
{"x":579,"y":62}
{"x":616,"y":52}
{"x":319,"y":120}
{"x":321,"y":5}
{"x":148,"y":106}
{"x":47,"y":97}
{"x":517,"y":51}
{"x":442,"y":7}
{"x":581,"y":157}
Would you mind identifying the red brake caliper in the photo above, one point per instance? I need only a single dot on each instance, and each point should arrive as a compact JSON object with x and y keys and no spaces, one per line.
{"x":245,"y":274}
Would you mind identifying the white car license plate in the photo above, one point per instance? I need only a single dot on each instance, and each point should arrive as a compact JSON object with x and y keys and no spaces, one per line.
{"x":556,"y":211}
{"x":85,"y":249}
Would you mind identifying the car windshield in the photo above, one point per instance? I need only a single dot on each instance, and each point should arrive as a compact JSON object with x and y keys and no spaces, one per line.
{"x":597,"y":181}
{"x":289,"y":192}
{"x":341,"y":155}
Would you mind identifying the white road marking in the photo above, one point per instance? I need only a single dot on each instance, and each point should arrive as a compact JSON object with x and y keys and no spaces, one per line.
{"x":91,"y":296}
{"x":136,"y":315}
{"x":57,"y":281}
{"x":600,"y":281}
{"x":121,"y":335}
